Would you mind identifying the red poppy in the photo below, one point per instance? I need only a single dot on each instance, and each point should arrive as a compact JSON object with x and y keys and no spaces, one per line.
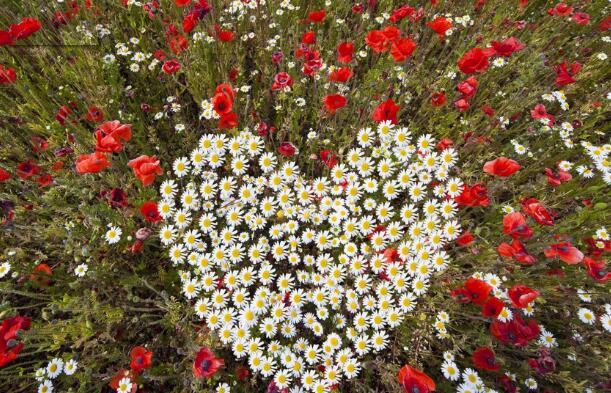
{"x":514,"y":225}
{"x":565,"y":251}
{"x":581,"y":18}
{"x":149,"y":212}
{"x":182,"y":3}
{"x":537,"y":212}
{"x":539,"y":112}
{"x":5,"y":38}
{"x":27,"y":169}
{"x":474,"y":291}
{"x":475,"y":60}
{"x":222,"y":103}
{"x":502,"y":167}
{"x":597,"y":269}
{"x":41,"y":274}
{"x":565,"y":73}
{"x":444,"y":143}
{"x":115,"y":197}
{"x":555,"y":179}
{"x":561,"y":9}
{"x":507,"y":47}
{"x":333,"y":102}
{"x":605,"y":24}
{"x":521,"y":295}
{"x":438,"y":99}
{"x":4,"y":175}
{"x":386,"y":111}
{"x":228,"y":121}
{"x":140,"y":359}
{"x":44,"y":180}
{"x":493,"y":307}
{"x":25,"y":28}
{"x":476,"y":195}
{"x":462,"y":104}
{"x":282,"y":80}
{"x":345,"y":51}
{"x":401,"y":13}
{"x":189,"y":22}
{"x":226,"y":36}
{"x":402,"y":48}
{"x":146,"y":168}
{"x":516,"y":332}
{"x":94,"y":114}
{"x":468,"y":87}
{"x":392,"y":33}
{"x":440,"y":25}
{"x":287,"y":149}
{"x":111,"y":135}
{"x":91,"y":163}
{"x":242,"y":373}
{"x":465,"y":239}
{"x":7,"y":75}
{"x":317,"y":16}
{"x":308,"y":38}
{"x":9,"y":334}
{"x":329,"y":158}
{"x":517,"y":251}
{"x":206,"y":364}
{"x":341,"y":74}
{"x":39,"y":144}
{"x":415,"y":381}
{"x":377,"y":41}
{"x":170,"y":67}
{"x":483,"y":358}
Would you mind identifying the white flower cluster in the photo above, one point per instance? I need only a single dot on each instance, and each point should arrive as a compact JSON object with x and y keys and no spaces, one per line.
{"x":52,"y":371}
{"x":600,"y":158}
{"x":295,"y":272}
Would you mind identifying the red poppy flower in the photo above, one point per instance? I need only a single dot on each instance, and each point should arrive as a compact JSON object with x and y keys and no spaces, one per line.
{"x":178,"y":43}
{"x":440,"y":25}
{"x":7,"y":75}
{"x":5,"y":38}
{"x":415,"y":381}
{"x":91,"y":163}
{"x":41,"y":274}
{"x":517,"y":251}
{"x":507,"y":47}
{"x":539,"y":112}
{"x":170,"y":67}
{"x":475,"y":60}
{"x":282,"y":80}
{"x":438,"y":99}
{"x":341,"y":74}
{"x":474,"y":291}
{"x":345,"y":51}
{"x":444,"y":143}
{"x":27,"y":169}
{"x":565,"y":251}
{"x":149,"y":212}
{"x":317,"y":16}
{"x":392,"y":33}
{"x":401,"y":13}
{"x":228,"y":121}
{"x":140,"y":359}
{"x":94,"y":114}
{"x":4,"y":175}
{"x":462,"y":104}
{"x":521,"y":295}
{"x":565,"y":73}
{"x":465,"y":239}
{"x":333,"y":102}
{"x":206,"y":364}
{"x":222,"y":103}
{"x":25,"y":28}
{"x":242,"y":373}
{"x":226,"y":36}
{"x":386,"y":111}
{"x":287,"y":149}
{"x":537,"y":212}
{"x":483,"y":358}
{"x":182,"y":3}
{"x":377,"y":41}
{"x":476,"y":195}
{"x":516,"y":332}
{"x":514,"y":225}
{"x":561,"y":9}
{"x":597,"y":269}
{"x":111,"y":135}
{"x":502,"y":167}
{"x":402,"y":48}
{"x":146,"y":168}
{"x":605,"y":24}
{"x":308,"y":38}
{"x":493,"y":307}
{"x":468,"y":87}
{"x":329,"y":158}
{"x":44,"y":180}
{"x":115,"y":197}
{"x":226,"y":89}
{"x":9,"y":334}
{"x":555,"y":179}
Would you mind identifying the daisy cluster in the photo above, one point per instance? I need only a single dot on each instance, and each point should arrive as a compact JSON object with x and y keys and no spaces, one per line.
{"x":53,"y":370}
{"x":295,"y":272}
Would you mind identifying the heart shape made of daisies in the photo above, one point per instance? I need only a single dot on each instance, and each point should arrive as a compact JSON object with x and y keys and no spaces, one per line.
{"x":293,"y":272}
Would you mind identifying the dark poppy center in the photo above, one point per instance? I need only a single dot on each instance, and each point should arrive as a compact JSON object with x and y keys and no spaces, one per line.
{"x":139,"y":360}
{"x":206,"y":364}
